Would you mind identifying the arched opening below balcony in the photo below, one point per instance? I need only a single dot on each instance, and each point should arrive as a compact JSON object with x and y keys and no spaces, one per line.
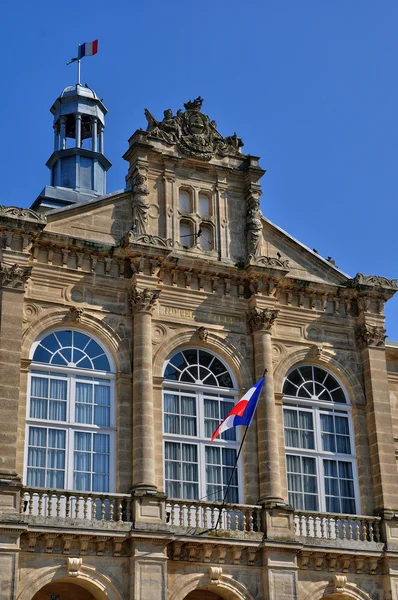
{"x":63,"y":591}
{"x":202,"y":595}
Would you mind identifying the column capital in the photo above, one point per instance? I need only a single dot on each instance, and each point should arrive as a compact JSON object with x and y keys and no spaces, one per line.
{"x":14,"y":276}
{"x":144,"y":300}
{"x":261,"y":319}
{"x":370,"y":335}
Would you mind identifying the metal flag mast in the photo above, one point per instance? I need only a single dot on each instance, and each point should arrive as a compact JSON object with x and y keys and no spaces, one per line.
{"x":86,"y":49}
{"x":224,"y":502}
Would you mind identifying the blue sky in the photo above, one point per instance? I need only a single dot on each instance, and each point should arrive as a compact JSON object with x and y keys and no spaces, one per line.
{"x":311,"y":86}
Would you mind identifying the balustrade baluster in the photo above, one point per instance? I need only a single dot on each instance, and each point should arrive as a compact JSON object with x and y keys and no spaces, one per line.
{"x":67,"y":505}
{"x":357,"y":529}
{"x":197,"y":516}
{"x":349,"y":521}
{"x":236,"y":521}
{"x":50,"y":504}
{"x":40,"y":504}
{"x":58,"y":505}
{"x":77,"y":502}
{"x":102,"y":509}
{"x":181,"y":507}
{"x":205,"y":517}
{"x":86,"y":500}
{"x":189,"y":515}
{"x":377,"y":531}
{"x":364,"y":531}
{"x":343,"y":530}
{"x":119,"y":511}
{"x":332,"y":528}
{"x":244,"y":520}
{"x":212,"y":518}
{"x":323,"y":528}
{"x":30,"y":505}
{"x":111,"y":508}
{"x":228,"y":519}
{"x":22,"y":504}
{"x":371,"y":532}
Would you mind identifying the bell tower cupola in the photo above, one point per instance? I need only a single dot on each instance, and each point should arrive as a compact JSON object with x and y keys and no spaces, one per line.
{"x":78,"y":165}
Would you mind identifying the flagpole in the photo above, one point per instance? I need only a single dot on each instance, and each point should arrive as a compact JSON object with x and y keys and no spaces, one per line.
{"x":78,"y":67}
{"x":224,"y":502}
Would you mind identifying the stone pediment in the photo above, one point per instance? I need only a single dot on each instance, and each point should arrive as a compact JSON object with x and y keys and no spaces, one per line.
{"x":298,"y":261}
{"x":192,"y":132}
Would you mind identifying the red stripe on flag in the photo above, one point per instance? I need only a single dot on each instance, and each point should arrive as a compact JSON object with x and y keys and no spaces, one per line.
{"x":239,"y":409}
{"x":95,"y":46}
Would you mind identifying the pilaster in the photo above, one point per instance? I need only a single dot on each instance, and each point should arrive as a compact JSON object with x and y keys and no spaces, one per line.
{"x":370,"y":336}
{"x":13,"y":280}
{"x":148,"y":572}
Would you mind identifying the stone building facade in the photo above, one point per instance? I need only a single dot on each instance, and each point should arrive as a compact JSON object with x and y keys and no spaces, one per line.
{"x":130,"y":323}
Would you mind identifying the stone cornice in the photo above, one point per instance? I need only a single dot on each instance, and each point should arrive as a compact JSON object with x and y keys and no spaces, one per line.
{"x":261,"y":319}
{"x":361,"y":281}
{"x":14,"y":276}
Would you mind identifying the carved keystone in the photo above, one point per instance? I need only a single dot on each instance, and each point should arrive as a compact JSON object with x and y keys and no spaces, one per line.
{"x":73,"y":566}
{"x":339,"y":583}
{"x":261,"y":319}
{"x":215,"y":575}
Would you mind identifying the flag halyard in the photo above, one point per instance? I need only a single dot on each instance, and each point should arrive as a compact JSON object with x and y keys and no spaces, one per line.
{"x":242,"y":413}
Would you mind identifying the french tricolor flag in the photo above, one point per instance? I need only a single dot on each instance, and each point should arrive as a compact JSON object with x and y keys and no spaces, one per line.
{"x":88,"y":49}
{"x":242,"y":413}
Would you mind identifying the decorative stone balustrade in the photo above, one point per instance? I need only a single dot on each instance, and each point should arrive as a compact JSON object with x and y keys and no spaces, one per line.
{"x":333,"y":526}
{"x":39,"y":504}
{"x":201,"y":515}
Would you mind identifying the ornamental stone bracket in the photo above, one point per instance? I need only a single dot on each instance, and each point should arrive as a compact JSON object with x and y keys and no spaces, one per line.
{"x":370,"y":335}
{"x":14,"y":276}
{"x":144,"y":300}
{"x":73,"y":566}
{"x":261,"y":319}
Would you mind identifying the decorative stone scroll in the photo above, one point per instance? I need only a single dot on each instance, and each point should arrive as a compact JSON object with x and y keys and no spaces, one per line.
{"x":22,"y":213}
{"x":258,"y":319}
{"x":14,"y":276}
{"x":193,"y":132}
{"x":373,"y":281}
{"x":270,"y":261}
{"x":144,"y":300}
{"x":370,"y":335}
{"x":152,"y":240}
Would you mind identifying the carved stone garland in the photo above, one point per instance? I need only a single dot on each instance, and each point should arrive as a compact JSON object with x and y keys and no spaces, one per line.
{"x":258,"y":319}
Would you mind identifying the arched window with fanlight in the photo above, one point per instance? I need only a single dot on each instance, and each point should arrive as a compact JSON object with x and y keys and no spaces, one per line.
{"x":198,"y":393}
{"x":319,"y":442}
{"x":70,"y":424}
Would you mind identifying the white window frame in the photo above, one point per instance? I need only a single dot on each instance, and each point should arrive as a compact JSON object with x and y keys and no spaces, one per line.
{"x":200,"y":391}
{"x":317,"y":407}
{"x":70,"y":426}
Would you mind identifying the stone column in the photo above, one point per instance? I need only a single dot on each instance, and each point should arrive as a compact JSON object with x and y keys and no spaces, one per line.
{"x":62,"y":144}
{"x":260,"y":322}
{"x":78,"y":130}
{"x":143,"y":304}
{"x":13,"y":280}
{"x":101,"y":137}
{"x":94,"y":134}
{"x":370,"y":336}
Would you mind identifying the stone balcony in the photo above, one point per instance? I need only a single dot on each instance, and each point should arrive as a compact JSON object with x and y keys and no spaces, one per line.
{"x":42,"y":509}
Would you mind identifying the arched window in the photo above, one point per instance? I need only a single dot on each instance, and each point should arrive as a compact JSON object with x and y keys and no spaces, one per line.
{"x":319,"y":444}
{"x":71,"y":421}
{"x":198,"y":393}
